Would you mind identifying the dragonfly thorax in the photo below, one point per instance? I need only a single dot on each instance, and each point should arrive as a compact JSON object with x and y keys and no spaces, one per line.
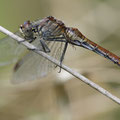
{"x":51,"y":27}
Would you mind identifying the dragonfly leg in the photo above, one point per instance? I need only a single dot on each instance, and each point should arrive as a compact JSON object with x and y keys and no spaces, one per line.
{"x":31,"y":40}
{"x":60,"y":39}
{"x":63,"y":54}
{"x":44,"y":46}
{"x":27,"y":39}
{"x":57,"y":39}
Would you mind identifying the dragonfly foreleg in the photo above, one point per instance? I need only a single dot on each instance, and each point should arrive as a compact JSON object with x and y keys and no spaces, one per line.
{"x":44,"y":46}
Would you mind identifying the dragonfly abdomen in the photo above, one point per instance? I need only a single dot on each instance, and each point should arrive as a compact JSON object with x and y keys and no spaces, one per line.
{"x":75,"y":37}
{"x":103,"y":52}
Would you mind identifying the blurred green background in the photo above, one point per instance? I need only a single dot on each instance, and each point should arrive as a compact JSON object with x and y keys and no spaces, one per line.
{"x":60,"y":96}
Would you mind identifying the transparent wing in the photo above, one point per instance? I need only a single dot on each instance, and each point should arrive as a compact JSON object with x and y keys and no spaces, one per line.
{"x":33,"y":66}
{"x":10,"y":50}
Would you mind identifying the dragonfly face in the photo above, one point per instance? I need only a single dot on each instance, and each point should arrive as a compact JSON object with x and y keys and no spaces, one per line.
{"x":26,"y":30}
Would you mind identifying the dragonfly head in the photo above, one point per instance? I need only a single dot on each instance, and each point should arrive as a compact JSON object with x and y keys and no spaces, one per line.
{"x":26,"y":30}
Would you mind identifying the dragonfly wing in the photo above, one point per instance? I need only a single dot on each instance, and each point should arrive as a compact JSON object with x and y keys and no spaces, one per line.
{"x":33,"y":66}
{"x":10,"y":50}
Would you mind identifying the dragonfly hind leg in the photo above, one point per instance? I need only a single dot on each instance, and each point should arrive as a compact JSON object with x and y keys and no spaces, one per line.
{"x":63,"y":54}
{"x":60,"y":39}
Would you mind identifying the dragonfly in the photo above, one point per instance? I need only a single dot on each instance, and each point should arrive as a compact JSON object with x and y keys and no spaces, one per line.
{"x":51,"y":36}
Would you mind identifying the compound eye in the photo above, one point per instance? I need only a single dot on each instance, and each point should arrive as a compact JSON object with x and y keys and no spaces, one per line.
{"x":28,"y":21}
{"x":21,"y":26}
